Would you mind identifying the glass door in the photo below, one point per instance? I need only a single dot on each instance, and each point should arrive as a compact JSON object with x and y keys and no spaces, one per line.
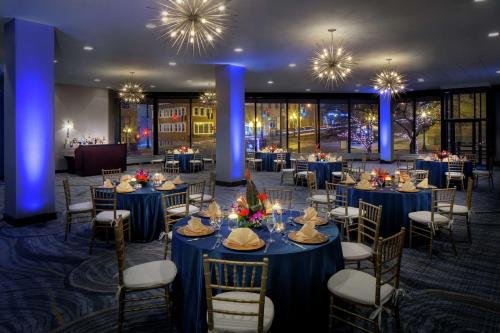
{"x":302,"y":136}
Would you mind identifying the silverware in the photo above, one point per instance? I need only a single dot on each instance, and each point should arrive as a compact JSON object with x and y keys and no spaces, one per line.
{"x":267,"y":246}
{"x":216,"y":243}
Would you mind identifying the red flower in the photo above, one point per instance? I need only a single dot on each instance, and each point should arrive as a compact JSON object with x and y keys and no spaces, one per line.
{"x":262,"y":196}
{"x":244,"y":212}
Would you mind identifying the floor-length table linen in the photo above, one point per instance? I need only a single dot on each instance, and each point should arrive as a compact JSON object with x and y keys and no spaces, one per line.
{"x":184,"y":162}
{"x":324,"y":171}
{"x":296,"y":281}
{"x":437,"y":170}
{"x":269,"y":158}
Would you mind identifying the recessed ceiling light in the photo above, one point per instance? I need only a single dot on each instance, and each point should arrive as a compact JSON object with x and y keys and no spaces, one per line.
{"x":108,"y":87}
{"x":55,"y":61}
{"x":172,"y":63}
{"x":358,"y":84}
{"x":356,"y":90}
{"x":238,"y":49}
{"x":150,"y":25}
{"x":97,"y":80}
{"x":479,"y":0}
{"x":308,"y":89}
{"x":493,"y":34}
{"x":420,"y":79}
{"x":292,"y":65}
{"x":189,"y":81}
{"x":270,"y":82}
{"x":88,"y":48}
{"x":498,"y":71}
{"x":152,"y":86}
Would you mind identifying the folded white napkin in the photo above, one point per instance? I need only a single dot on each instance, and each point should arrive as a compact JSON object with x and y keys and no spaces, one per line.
{"x":124,"y":187}
{"x":424,"y":183}
{"x":168,"y":185}
{"x":158,"y":177}
{"x":349,"y":179}
{"x":311,"y":215}
{"x":365,"y":176}
{"x":243,"y":237}
{"x":364,"y":184}
{"x":427,"y":158}
{"x":407,"y":186}
{"x":307,"y":232}
{"x":339,"y":159}
{"x":332,"y":159}
{"x":125,"y":178}
{"x":178,"y":180}
{"x":195,"y":225}
{"x":189,"y":151}
{"x":311,"y":158}
{"x":445,"y":159}
{"x":213,"y":210}
{"x":107,"y":183}
{"x":176,"y":151}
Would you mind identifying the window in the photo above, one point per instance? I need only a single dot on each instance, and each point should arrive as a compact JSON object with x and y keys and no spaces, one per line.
{"x":364,"y":126}
{"x":137,"y":128}
{"x":250,"y":126}
{"x":302,"y":126}
{"x":333,"y":126}
{"x":403,"y":125}
{"x":428,"y":125}
{"x":270,"y":122}
{"x":172,"y":124}
{"x":204,"y":128}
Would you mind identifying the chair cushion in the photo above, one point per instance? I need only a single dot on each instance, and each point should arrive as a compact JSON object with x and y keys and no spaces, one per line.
{"x":321,"y":198}
{"x":208,"y":159}
{"x":238,"y":323}
{"x":172,"y":162}
{"x":279,"y":161}
{"x":157,"y":161}
{"x":303,"y":173}
{"x":457,"y":209}
{"x":150,"y":275}
{"x":355,"y":251}
{"x":481,"y":172}
{"x":454,"y":174}
{"x":197,"y":197}
{"x":256,"y":160}
{"x":337,"y":173}
{"x":108,"y":215}
{"x":182,"y":210}
{"x":291,"y":170}
{"x":425,"y":217}
{"x":340,"y":212}
{"x":170,"y":235}
{"x":358,"y":286}
{"x":80,"y":207}
{"x":195,"y":161}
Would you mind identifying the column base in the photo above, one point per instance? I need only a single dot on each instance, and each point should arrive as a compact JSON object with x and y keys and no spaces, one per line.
{"x":40,"y":218}
{"x":231,"y":184}
{"x":386,"y":162}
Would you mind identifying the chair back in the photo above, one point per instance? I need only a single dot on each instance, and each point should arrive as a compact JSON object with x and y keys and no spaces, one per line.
{"x":103,"y":199}
{"x":120,"y":247}
{"x":468,"y":196}
{"x":406,"y":164}
{"x":369,"y":223}
{"x":419,"y":174}
{"x":250,"y":155}
{"x":456,"y":166}
{"x":302,"y":165}
{"x":281,"y":157}
{"x":169,"y":157}
{"x":443,"y":199}
{"x":226,"y":275}
{"x":198,"y":157}
{"x":281,"y":195}
{"x":67,"y":192}
{"x":341,"y":193}
{"x":111,"y":174}
{"x":472,"y":158}
{"x":311,"y":183}
{"x":211,"y":184}
{"x":171,"y":168}
{"x":197,"y":188}
{"x":388,"y":261}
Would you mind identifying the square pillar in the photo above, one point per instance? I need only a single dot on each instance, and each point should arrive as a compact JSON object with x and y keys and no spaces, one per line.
{"x":385,"y":131}
{"x":29,"y":122}
{"x":230,"y":119}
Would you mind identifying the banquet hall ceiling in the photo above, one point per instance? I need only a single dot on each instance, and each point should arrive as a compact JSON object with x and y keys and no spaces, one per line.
{"x":443,"y":42}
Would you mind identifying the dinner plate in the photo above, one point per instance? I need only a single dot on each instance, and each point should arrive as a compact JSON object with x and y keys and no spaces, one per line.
{"x":244,"y":247}
{"x":365,"y":189}
{"x":411,"y":191}
{"x":430,"y":187}
{"x":299,"y":220}
{"x":185,"y":231}
{"x":164,"y":189}
{"x":319,"y":239}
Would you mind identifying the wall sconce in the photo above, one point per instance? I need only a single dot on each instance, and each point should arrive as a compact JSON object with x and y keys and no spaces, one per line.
{"x":68,"y":126}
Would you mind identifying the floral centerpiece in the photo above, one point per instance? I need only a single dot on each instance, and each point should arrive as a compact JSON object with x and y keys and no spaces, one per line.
{"x":323,"y":156}
{"x":272,"y":149}
{"x":183,"y":149}
{"x":442,"y":155}
{"x":317,"y":149}
{"x":252,"y":208}
{"x":141,"y":176}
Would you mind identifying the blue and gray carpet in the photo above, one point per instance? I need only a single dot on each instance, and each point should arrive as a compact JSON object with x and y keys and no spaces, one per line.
{"x":48,"y":284}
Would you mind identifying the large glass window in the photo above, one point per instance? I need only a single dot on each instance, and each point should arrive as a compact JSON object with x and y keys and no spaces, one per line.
{"x":173,"y":124}
{"x":333,"y":126}
{"x":364,"y":127}
{"x":271,"y":124}
{"x":203,"y":127}
{"x":402,"y":119}
{"x":137,"y":128}
{"x":250,"y":125}
{"x":302,"y":127}
{"x":428,"y":125}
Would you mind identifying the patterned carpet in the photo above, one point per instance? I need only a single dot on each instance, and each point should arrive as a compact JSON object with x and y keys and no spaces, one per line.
{"x":47,"y":284}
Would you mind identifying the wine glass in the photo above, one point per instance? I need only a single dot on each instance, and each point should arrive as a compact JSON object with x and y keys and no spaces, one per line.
{"x":270,"y":224}
{"x":217,"y":224}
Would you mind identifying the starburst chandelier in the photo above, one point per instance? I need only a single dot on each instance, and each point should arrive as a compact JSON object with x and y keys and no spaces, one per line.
{"x":208,"y":98}
{"x":131,"y":92}
{"x":193,"y":24}
{"x":389,"y":81}
{"x":331,"y":63}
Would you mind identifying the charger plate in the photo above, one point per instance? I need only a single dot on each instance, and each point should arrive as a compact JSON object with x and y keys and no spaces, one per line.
{"x":319,"y":239}
{"x":244,"y":247}
{"x":299,"y":220}
{"x":185,"y":231}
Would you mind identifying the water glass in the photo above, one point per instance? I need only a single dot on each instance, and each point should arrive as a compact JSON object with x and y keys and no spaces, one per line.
{"x":270,"y":224}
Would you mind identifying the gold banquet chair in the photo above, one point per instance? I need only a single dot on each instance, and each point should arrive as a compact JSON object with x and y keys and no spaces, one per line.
{"x":278,"y":194}
{"x":74,"y":210}
{"x":240,"y":304}
{"x":111,"y":174}
{"x":318,"y":198}
{"x":362,"y":290}
{"x":342,"y":213}
{"x":455,"y":173}
{"x":157,"y":274}
{"x":204,"y":198}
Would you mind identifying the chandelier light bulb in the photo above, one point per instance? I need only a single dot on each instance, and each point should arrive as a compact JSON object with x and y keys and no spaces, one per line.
{"x":131,"y":92}
{"x":389,"y":81}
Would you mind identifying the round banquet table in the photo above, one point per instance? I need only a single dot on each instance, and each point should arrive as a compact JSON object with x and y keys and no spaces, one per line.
{"x":395,"y":206}
{"x":324,"y":171}
{"x":146,"y":211}
{"x":184,"y":160}
{"x":297,"y":277}
{"x":268,"y":160}
{"x":437,"y":170}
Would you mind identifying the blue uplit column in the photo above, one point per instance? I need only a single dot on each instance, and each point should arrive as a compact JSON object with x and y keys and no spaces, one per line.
{"x":230,"y":135}
{"x":29,"y":121}
{"x":385,"y":130}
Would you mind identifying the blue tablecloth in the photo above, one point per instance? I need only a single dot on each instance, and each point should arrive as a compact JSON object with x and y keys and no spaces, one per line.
{"x":184,"y":159}
{"x":324,"y":171}
{"x":146,"y":211}
{"x":395,"y":206}
{"x":296,"y":284}
{"x":268,"y":160}
{"x":437,"y":170}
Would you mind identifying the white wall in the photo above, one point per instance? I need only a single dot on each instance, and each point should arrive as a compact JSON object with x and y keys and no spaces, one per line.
{"x":87,"y":108}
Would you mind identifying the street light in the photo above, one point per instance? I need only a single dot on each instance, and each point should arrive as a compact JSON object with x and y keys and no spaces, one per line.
{"x":424,"y":115}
